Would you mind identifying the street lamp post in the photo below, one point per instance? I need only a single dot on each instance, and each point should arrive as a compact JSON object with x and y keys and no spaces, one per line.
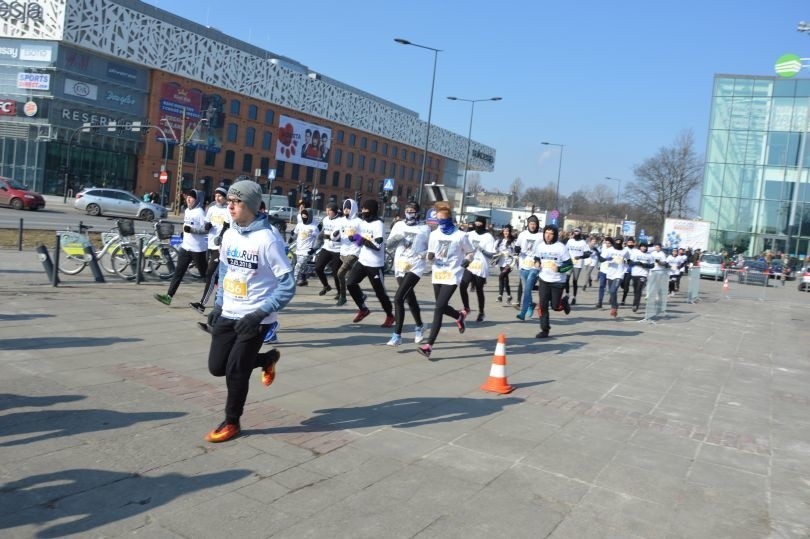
{"x":182,"y":140}
{"x":472,"y":103}
{"x":618,"y":188}
{"x":559,"y":170}
{"x":430,"y":110}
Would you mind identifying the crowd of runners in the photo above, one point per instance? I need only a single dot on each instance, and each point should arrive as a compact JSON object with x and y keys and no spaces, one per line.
{"x":246,"y":262}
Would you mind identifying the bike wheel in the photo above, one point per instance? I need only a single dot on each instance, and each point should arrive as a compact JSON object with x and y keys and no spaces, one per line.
{"x":159,"y":265}
{"x":104,"y":259}
{"x":71,"y":264}
{"x":122,"y":263}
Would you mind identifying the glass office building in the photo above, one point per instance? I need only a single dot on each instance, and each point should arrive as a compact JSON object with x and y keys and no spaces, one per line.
{"x":755,"y":187}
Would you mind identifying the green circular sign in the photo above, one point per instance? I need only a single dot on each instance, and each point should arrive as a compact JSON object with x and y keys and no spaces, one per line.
{"x":788,"y":65}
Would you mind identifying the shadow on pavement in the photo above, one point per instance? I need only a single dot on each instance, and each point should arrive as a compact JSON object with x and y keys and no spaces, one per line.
{"x":9,"y":400}
{"x":90,"y":498}
{"x":60,"y":342}
{"x":399,"y":413}
{"x":15,"y":317}
{"x":45,"y":424}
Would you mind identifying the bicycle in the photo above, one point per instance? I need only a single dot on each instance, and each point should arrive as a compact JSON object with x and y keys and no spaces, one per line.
{"x":73,"y":257}
{"x":125,"y":260}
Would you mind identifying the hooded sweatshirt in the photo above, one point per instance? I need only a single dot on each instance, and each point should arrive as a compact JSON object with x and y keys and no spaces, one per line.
{"x":553,"y":257}
{"x":254,"y":271}
{"x":195,"y":241}
{"x":527,"y":241}
{"x":347,"y":228}
{"x":216,"y":215}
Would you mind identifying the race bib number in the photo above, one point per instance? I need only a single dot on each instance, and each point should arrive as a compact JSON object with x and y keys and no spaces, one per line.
{"x":549,"y":265}
{"x":618,"y":259}
{"x":403,"y":265}
{"x":443,"y":275}
{"x":476,"y":265}
{"x":527,"y":263}
{"x":350,"y":231}
{"x":235,"y":285}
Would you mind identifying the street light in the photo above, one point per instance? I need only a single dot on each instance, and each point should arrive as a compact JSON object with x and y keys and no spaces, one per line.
{"x":559,"y":170}
{"x":472,"y":103}
{"x":618,"y":188}
{"x":181,"y":142}
{"x":430,"y":110}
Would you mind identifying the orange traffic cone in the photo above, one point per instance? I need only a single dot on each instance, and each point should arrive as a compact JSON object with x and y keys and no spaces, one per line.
{"x":725,"y":286}
{"x":497,"y":374}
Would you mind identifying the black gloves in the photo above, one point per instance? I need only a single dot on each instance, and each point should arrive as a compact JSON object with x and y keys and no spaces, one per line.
{"x":187,"y":228}
{"x":248,"y":325}
{"x":465,"y":263}
{"x":311,"y":252}
{"x":517,"y":249}
{"x":214,"y":315}
{"x":208,"y":226}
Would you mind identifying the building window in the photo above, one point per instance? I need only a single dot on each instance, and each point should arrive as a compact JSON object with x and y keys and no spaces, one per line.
{"x":361,"y":162}
{"x":233,"y":129}
{"x":253,"y":112}
{"x":267,"y":139}
{"x":372,"y":164}
{"x":336,"y":179}
{"x":430,"y":162}
{"x":340,"y":136}
{"x":370,"y":186}
{"x":347,"y":181}
{"x":264,"y":164}
{"x":296,"y":171}
{"x":250,"y":137}
{"x":190,"y":154}
{"x":401,"y":172}
{"x":269,"y":116}
{"x":247,"y":163}
{"x":363,"y":143}
{"x":229,"y":159}
{"x":413,"y":157}
{"x":279,"y":169}
{"x":352,"y":139}
{"x":382,"y":167}
{"x":322,"y":177}
{"x":394,"y":150}
{"x":359,"y":183}
{"x":392,"y":169}
{"x":374,"y":146}
{"x":210,"y":159}
{"x":310,"y":174}
{"x":338,"y":156}
{"x":235,"y":106}
{"x":350,"y":159}
{"x":437,"y":162}
{"x":410,"y":175}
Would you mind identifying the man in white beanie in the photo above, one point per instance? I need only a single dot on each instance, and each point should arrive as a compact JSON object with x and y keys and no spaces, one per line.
{"x":256,"y":282}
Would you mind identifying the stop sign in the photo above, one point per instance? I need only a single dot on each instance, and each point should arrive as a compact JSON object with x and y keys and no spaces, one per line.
{"x":164,"y":176}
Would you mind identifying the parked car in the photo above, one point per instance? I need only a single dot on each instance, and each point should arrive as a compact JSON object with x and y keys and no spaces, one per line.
{"x":103,"y":201}
{"x":778,"y":272}
{"x":754,"y":272}
{"x":804,"y":279}
{"x":15,"y":194}
{"x":285,"y":213}
{"x":711,"y":266}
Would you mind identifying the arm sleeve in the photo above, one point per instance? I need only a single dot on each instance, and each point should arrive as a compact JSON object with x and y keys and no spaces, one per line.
{"x":281,"y":296}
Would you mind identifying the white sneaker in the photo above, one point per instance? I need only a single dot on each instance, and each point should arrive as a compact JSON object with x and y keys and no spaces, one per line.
{"x":417,"y":335}
{"x":396,"y":340}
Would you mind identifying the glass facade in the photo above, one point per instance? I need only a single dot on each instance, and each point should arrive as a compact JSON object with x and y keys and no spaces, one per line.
{"x":755,"y":187}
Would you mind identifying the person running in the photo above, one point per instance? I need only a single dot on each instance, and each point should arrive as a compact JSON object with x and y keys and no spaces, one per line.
{"x":411,"y":241}
{"x":329,"y":255}
{"x":478,"y":270}
{"x":640,"y":262}
{"x":217,"y":220}
{"x":370,"y":263}
{"x":347,"y":227}
{"x":613,"y":256}
{"x":304,"y":236}
{"x":524,"y":247}
{"x":194,"y":246}
{"x":257,"y":282}
{"x":505,"y":254}
{"x":674,"y":263}
{"x":629,"y":247}
{"x":579,"y":250}
{"x":554,"y":261}
{"x":588,"y":264}
{"x":450,"y":251}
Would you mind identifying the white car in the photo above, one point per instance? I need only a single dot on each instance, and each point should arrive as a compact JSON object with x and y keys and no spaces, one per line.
{"x":103,"y":201}
{"x":711,"y":266}
{"x":285,"y":213}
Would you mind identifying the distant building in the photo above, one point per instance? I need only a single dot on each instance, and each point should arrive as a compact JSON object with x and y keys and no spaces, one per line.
{"x":590,"y":225}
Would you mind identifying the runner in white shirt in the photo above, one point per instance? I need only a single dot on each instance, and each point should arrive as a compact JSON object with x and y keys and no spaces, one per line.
{"x":304,"y":235}
{"x":641,"y":262}
{"x":450,"y":250}
{"x":524,"y":247}
{"x":347,"y":227}
{"x":477,"y":272}
{"x":217,"y":220}
{"x":614,"y":260}
{"x":370,"y":262}
{"x":505,"y":252}
{"x":256,"y":282}
{"x":554,"y":261}
{"x":411,"y":240}
{"x":580,"y":252}
{"x":329,"y":255}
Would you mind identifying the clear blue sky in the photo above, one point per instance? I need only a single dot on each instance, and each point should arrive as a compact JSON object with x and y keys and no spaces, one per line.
{"x":612,"y":81}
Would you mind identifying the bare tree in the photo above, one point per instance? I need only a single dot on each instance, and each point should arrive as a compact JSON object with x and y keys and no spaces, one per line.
{"x":665,"y":182}
{"x":515,"y":191}
{"x":540,"y":197}
{"x":474,"y":184}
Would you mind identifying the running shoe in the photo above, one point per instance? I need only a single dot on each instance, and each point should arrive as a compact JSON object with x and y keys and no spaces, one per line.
{"x":269,"y":371}
{"x":565,"y":305}
{"x":462,"y":315}
{"x":480,"y":317}
{"x":340,"y":302}
{"x":165,"y":299}
{"x":396,"y":340}
{"x":542,"y":335}
{"x":224,"y":432}
{"x":325,"y":290}
{"x":197,"y":306}
{"x":499,"y":299}
{"x":302,"y":283}
{"x":271,"y":335}
{"x":389,"y":321}
{"x":204,"y":326}
{"x":509,"y":300}
{"x":362,"y":313}
{"x":574,"y":300}
{"x":425,"y":350}
{"x":417,"y":335}
{"x":614,"y":313}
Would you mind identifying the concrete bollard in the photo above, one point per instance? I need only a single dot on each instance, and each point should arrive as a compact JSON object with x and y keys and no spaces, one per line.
{"x":20,"y":236}
{"x":45,"y":258}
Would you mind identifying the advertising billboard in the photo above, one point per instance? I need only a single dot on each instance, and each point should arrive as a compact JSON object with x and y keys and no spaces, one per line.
{"x":303,"y":143}
{"x":206,"y":136}
{"x":686,"y":233}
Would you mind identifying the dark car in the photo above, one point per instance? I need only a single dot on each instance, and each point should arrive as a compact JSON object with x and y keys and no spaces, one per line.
{"x":754,"y":272}
{"x":779,"y":271}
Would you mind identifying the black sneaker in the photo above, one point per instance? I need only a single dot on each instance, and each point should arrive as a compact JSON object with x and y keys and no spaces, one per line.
{"x":500,"y":299}
{"x":599,"y":305}
{"x":425,"y":350}
{"x":480,"y":317}
{"x":325,"y":290}
{"x":462,"y":315}
{"x":203,"y":326}
{"x":340,"y":302}
{"x":542,"y":335}
{"x":573,"y":300}
{"x":197,"y":306}
{"x":565,"y":305}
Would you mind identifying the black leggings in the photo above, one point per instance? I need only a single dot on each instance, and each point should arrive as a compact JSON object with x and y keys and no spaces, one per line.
{"x":625,"y":286}
{"x":503,"y":281}
{"x":234,"y":356}
{"x":184,"y":259}
{"x":375,"y":276}
{"x":442,"y":293}
{"x":550,"y":295}
{"x":639,"y":282}
{"x":211,"y":274}
{"x":478,"y":283}
{"x":331,"y":259}
{"x":405,"y":293}
{"x":346,"y":264}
